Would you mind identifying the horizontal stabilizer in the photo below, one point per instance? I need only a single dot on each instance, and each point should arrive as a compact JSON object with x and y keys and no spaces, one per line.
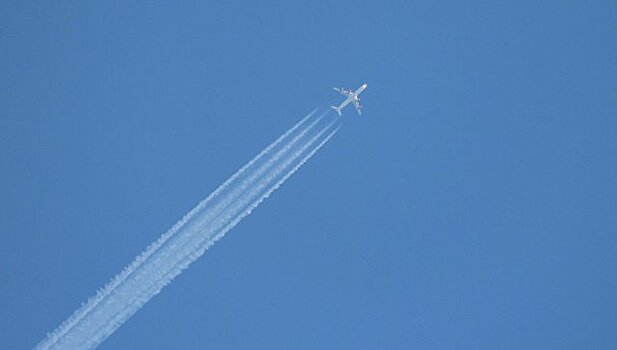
{"x":337,"y":110}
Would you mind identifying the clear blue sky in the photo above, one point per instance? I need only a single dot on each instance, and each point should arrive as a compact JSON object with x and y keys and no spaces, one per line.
{"x":472,"y":206}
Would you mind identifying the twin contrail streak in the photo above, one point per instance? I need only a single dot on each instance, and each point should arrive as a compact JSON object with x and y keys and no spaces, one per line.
{"x":191,"y":236}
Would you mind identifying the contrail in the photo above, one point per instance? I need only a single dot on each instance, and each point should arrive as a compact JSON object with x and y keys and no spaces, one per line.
{"x":102,"y":293}
{"x":191,"y":236}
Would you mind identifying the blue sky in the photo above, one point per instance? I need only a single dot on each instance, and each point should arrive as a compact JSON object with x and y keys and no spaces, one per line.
{"x":472,"y":205}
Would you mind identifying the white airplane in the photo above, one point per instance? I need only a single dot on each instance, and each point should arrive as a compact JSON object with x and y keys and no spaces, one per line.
{"x":352,"y":97}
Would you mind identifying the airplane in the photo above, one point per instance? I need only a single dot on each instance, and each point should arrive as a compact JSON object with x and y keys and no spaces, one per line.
{"x":352,"y":97}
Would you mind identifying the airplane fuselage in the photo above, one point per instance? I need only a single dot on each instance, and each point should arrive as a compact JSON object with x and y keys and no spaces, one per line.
{"x":351,"y":98}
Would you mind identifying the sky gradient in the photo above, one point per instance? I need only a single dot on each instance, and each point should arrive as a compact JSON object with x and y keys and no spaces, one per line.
{"x":471,"y":206}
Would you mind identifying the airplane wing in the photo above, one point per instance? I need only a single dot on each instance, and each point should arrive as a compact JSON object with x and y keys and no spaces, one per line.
{"x":358,"y":106}
{"x":344,"y":92}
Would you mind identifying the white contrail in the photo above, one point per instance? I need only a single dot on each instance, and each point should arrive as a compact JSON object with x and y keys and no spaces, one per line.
{"x":163,"y":267}
{"x":204,"y":235}
{"x":66,"y":326}
{"x":103,"y":292}
{"x":188,"y":239}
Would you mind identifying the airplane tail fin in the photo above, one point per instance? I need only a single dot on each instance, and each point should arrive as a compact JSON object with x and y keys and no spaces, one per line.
{"x":337,"y":110}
